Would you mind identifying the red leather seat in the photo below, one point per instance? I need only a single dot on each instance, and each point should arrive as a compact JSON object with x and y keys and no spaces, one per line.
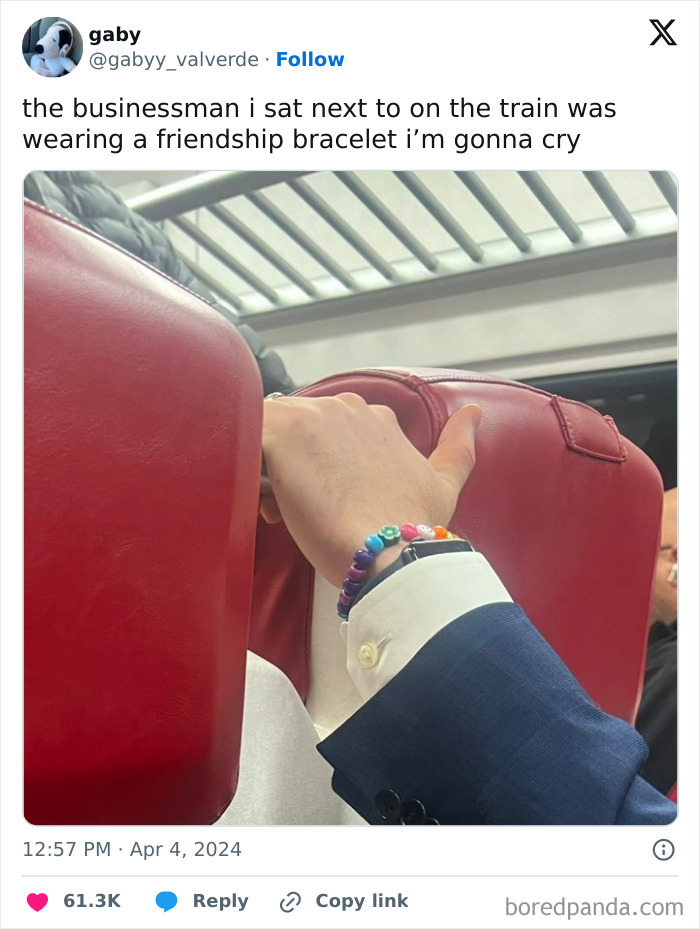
{"x":142,"y":455}
{"x":567,"y":512}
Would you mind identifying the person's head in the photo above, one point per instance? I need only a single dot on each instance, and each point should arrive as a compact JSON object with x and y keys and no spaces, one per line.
{"x":56,"y":43}
{"x":665,"y":603}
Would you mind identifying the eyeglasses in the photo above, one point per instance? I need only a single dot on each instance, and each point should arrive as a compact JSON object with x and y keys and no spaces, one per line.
{"x":673,"y":574}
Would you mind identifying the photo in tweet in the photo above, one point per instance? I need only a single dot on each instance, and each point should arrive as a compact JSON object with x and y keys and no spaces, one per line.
{"x":201,"y":644}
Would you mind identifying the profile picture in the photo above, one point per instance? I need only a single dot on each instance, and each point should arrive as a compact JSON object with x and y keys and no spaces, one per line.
{"x":52,"y":47}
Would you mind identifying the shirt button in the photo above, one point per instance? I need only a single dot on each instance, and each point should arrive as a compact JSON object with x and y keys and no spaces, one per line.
{"x":368,"y":656}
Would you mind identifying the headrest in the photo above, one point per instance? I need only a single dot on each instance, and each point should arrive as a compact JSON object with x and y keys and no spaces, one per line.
{"x":566,"y":510}
{"x":142,"y":455}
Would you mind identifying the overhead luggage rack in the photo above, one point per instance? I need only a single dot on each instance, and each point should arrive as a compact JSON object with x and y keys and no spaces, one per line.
{"x":294,"y":243}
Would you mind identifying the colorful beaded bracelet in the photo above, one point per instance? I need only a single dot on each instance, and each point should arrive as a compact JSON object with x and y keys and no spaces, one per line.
{"x":363,"y":559}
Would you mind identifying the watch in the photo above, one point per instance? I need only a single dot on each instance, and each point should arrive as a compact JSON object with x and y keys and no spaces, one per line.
{"x":422,"y":548}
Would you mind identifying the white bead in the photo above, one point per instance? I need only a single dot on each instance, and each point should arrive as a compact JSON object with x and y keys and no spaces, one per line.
{"x":368,"y":656}
{"x":426,"y":532}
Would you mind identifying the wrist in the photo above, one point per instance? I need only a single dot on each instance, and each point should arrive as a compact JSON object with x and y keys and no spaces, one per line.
{"x":381,"y":551}
{"x":384,"y":559}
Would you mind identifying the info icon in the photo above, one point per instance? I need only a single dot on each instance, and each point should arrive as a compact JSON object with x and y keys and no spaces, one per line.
{"x":663,"y":849}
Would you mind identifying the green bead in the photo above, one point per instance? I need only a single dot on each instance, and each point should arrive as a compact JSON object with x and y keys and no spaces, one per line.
{"x":390,"y":535}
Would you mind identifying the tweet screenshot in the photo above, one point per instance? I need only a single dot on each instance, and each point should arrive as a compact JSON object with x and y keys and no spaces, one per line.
{"x":344,"y":349}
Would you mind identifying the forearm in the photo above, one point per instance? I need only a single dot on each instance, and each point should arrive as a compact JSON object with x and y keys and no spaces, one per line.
{"x":486,"y":725}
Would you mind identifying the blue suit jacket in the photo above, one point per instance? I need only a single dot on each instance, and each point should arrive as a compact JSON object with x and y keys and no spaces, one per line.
{"x":487,"y":726}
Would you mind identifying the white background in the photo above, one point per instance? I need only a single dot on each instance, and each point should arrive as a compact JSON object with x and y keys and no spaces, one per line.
{"x":401,"y":51}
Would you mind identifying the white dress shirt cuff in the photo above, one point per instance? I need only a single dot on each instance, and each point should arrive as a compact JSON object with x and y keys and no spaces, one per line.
{"x":395,"y":620}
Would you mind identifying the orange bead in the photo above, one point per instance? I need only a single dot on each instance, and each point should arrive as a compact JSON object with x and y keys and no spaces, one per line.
{"x":440,"y":532}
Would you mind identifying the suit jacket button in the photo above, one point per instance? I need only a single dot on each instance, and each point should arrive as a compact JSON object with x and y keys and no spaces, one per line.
{"x":387,"y":806}
{"x":412,"y":813}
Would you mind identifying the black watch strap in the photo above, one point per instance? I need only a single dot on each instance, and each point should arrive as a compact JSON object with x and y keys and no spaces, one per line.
{"x":423,"y":548}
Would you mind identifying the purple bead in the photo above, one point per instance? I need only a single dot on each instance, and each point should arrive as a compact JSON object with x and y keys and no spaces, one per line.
{"x":352,"y":588}
{"x":345,"y":600}
{"x":356,"y":574}
{"x":363,"y":558}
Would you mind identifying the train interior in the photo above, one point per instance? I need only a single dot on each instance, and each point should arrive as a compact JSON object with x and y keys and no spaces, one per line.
{"x":548,"y":297}
{"x":419,"y":246}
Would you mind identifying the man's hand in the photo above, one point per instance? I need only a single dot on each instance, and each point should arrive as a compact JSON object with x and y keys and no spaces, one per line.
{"x":340,"y":469}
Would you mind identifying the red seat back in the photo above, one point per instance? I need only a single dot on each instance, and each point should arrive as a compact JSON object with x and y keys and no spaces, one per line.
{"x":567,"y":512}
{"x":142,"y":455}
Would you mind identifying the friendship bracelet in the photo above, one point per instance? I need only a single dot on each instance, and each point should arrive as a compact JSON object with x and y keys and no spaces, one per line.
{"x":364,"y":558}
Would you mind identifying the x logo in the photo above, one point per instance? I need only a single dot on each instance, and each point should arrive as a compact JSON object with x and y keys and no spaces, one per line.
{"x":663,"y":31}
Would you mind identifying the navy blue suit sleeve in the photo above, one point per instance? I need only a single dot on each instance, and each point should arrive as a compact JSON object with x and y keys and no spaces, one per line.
{"x":485,"y":725}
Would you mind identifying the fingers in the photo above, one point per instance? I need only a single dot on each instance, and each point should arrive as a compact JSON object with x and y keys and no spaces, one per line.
{"x":278,"y":410}
{"x":453,"y":458}
{"x":269,"y":510}
{"x":455,"y":454}
{"x":275,"y":411}
{"x":354,"y":400}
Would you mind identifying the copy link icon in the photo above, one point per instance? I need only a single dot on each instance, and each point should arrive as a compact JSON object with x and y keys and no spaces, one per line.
{"x":290,"y":902}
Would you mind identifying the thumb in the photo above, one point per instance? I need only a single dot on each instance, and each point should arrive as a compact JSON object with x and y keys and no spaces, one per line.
{"x":269,"y":510}
{"x":455,"y":454}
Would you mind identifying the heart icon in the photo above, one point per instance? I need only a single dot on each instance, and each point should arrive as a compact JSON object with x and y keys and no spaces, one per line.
{"x":37,"y":901}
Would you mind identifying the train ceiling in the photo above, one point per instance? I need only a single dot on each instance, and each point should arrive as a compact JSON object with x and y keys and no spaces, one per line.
{"x":292,"y":243}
